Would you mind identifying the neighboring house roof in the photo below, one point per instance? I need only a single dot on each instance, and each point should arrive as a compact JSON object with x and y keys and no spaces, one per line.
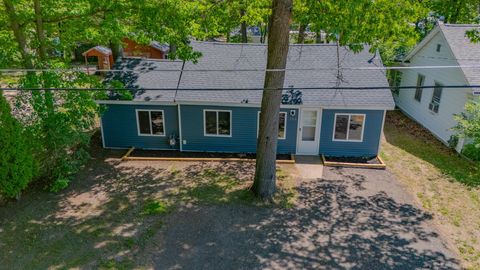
{"x":225,"y":57}
{"x":464,"y":50}
{"x":101,"y":49}
{"x":160,"y":46}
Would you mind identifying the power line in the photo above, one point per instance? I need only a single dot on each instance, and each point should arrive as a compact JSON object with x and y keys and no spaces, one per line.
{"x":244,"y":70}
{"x":237,"y":89}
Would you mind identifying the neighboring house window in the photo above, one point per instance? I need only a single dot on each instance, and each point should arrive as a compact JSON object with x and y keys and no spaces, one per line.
{"x":349,"y":127}
{"x":439,"y":46}
{"x":436,"y":97}
{"x":419,"y":90}
{"x":217,"y":123}
{"x":150,"y":123}
{"x":282,"y":125}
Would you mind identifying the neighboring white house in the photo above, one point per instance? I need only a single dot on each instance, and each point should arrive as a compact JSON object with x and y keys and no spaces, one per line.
{"x":434,"y":108}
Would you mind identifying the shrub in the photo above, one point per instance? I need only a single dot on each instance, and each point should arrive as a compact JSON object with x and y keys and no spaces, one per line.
{"x":469,"y":122}
{"x":17,"y":165}
{"x":472,"y":152}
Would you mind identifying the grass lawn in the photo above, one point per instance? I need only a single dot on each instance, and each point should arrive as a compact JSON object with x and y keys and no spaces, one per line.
{"x":444,"y":184}
{"x":110,"y":214}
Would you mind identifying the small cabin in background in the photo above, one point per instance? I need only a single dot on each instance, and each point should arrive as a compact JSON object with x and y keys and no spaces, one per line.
{"x":155,"y":50}
{"x":104,"y":57}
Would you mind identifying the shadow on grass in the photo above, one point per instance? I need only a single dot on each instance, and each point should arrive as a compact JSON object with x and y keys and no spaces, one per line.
{"x":334,"y":227}
{"x":402,"y":132}
{"x":109,"y":213}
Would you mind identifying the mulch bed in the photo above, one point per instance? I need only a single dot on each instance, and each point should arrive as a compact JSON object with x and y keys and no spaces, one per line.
{"x":356,"y":160}
{"x":178,"y":154}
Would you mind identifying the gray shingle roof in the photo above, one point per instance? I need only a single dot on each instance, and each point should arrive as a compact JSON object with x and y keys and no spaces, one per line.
{"x":222,"y":56}
{"x":101,"y":49}
{"x":465,"y":51}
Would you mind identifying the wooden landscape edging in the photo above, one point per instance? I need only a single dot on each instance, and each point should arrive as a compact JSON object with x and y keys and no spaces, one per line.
{"x":128,"y":157}
{"x":381,"y":166}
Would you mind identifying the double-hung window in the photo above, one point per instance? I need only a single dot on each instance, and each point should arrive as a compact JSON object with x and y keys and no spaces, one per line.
{"x":419,"y":89}
{"x":217,"y":123}
{"x":436,"y":97}
{"x":282,"y":125}
{"x":349,"y":127}
{"x":150,"y":123}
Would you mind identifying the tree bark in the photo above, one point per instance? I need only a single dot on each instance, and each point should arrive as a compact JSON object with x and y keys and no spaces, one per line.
{"x":243,"y":27}
{"x":301,"y":33}
{"x":116,"y":50}
{"x":318,"y":37}
{"x":264,"y":184}
{"x":42,"y":52}
{"x":18,"y":33}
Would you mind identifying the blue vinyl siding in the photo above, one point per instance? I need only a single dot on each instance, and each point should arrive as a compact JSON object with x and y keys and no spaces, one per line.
{"x":119,"y":124}
{"x":244,"y":131}
{"x":371,"y":136}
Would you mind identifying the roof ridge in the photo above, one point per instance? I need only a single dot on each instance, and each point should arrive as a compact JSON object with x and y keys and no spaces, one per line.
{"x":461,"y":25}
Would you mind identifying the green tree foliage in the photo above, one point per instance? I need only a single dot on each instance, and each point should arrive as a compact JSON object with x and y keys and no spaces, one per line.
{"x":455,"y":11}
{"x":216,"y":18}
{"x":386,"y":25}
{"x":45,"y":34}
{"x":469,"y":127}
{"x":17,"y":165}
{"x":60,"y":123}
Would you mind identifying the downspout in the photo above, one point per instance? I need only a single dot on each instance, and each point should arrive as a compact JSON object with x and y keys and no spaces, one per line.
{"x":180,"y":139}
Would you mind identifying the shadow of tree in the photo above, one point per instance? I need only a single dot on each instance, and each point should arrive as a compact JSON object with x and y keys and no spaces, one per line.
{"x":99,"y":221}
{"x":331,"y":227}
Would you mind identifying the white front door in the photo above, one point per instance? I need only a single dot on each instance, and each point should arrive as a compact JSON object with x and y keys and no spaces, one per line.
{"x":308,"y":137}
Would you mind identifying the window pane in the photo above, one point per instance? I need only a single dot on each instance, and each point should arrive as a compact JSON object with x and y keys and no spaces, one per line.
{"x":356,"y":127}
{"x":437,"y":93}
{"x":419,"y":90}
{"x":281,"y":125}
{"x":211,"y":122}
{"x":341,"y":126}
{"x":308,"y":133}
{"x":309,"y":118}
{"x":144,"y":122}
{"x":157,"y":123}
{"x":224,"y":123}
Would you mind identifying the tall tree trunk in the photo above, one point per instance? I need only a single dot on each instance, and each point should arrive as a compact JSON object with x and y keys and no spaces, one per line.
{"x":116,"y":48}
{"x":318,"y":37}
{"x":278,"y":39}
{"x":18,"y":33}
{"x":172,"y":51}
{"x":42,"y":52}
{"x":243,"y":27}
{"x":264,"y":33}
{"x":301,"y":33}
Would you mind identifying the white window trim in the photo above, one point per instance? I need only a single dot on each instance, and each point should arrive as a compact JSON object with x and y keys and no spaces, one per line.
{"x":435,"y":83}
{"x":216,"y":113}
{"x":150,"y":121}
{"x":421,"y":88}
{"x":284,"y":134}
{"x":348,"y":127}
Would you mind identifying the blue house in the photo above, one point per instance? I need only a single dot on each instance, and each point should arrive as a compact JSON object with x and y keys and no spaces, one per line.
{"x":202,"y":116}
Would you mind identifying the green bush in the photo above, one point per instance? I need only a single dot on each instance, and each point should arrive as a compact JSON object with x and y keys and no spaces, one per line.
{"x":17,"y":165}
{"x":472,"y":152}
{"x":60,"y":124}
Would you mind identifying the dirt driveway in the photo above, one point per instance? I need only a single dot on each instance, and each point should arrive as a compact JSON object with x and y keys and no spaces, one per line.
{"x":203,"y":219}
{"x":350,"y":219}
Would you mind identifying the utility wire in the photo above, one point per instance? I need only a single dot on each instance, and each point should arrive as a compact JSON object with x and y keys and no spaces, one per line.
{"x":237,"y":89}
{"x":245,"y":70}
